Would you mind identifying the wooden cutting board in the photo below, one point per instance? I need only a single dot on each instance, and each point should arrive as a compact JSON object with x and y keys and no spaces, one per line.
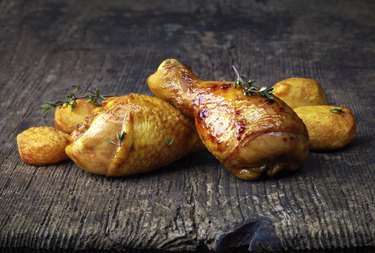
{"x":192,"y":204}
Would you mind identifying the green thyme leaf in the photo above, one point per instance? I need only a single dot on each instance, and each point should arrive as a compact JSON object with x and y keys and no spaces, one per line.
{"x":168,"y":141}
{"x":74,"y":104}
{"x":76,"y":88}
{"x":121,"y":137}
{"x":337,"y":110}
{"x":112,"y":142}
{"x":94,"y":96}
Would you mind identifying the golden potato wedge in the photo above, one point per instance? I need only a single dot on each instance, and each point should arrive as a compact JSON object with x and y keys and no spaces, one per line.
{"x":66,"y":120}
{"x":300,"y":92}
{"x":42,"y":145}
{"x":329,"y":127}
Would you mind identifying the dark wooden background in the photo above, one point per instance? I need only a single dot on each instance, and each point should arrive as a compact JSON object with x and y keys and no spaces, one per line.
{"x":193,"y":204}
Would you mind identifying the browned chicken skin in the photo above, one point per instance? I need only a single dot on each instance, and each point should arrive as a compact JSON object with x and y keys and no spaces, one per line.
{"x":251,"y":135}
{"x":154,"y":134}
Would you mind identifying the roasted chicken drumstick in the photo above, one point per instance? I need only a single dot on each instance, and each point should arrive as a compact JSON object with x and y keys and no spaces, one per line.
{"x":251,"y":135}
{"x":131,"y":135}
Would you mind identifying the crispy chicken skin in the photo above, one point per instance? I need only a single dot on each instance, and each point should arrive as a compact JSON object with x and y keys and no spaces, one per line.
{"x":251,"y":135}
{"x":156,"y":135}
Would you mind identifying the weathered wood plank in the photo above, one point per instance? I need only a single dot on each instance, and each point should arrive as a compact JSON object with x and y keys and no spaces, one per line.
{"x":192,"y":204}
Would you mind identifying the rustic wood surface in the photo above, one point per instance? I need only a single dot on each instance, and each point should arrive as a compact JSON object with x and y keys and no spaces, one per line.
{"x":192,"y":204}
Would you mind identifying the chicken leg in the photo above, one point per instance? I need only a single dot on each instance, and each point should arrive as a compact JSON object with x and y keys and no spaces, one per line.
{"x":130,"y":135}
{"x":251,"y":135}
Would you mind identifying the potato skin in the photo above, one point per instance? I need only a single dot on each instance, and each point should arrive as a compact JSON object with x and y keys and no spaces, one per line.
{"x":67,"y":120}
{"x":297,"y":92}
{"x":42,"y":145}
{"x":327,"y":130}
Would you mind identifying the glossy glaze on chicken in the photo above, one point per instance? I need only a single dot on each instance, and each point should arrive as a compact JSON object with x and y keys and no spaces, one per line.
{"x":251,"y":135}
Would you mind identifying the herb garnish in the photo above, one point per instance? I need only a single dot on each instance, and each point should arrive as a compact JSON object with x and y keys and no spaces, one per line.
{"x":168,"y":141}
{"x":249,"y":88}
{"x":337,"y":110}
{"x":112,"y":142}
{"x":120,"y":138}
{"x":71,"y":99}
{"x":94,"y":97}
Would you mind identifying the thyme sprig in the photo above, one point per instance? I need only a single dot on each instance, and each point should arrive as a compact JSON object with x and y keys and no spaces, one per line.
{"x":120,"y":138}
{"x":249,"y":88}
{"x":71,"y":99}
{"x":94,"y":97}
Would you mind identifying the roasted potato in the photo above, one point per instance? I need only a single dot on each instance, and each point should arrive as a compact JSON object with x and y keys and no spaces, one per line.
{"x":329,"y":127}
{"x":66,"y":120}
{"x":42,"y":145}
{"x":300,"y":92}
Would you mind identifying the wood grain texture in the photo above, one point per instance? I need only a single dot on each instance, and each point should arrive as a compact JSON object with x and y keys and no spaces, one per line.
{"x":192,"y":204}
